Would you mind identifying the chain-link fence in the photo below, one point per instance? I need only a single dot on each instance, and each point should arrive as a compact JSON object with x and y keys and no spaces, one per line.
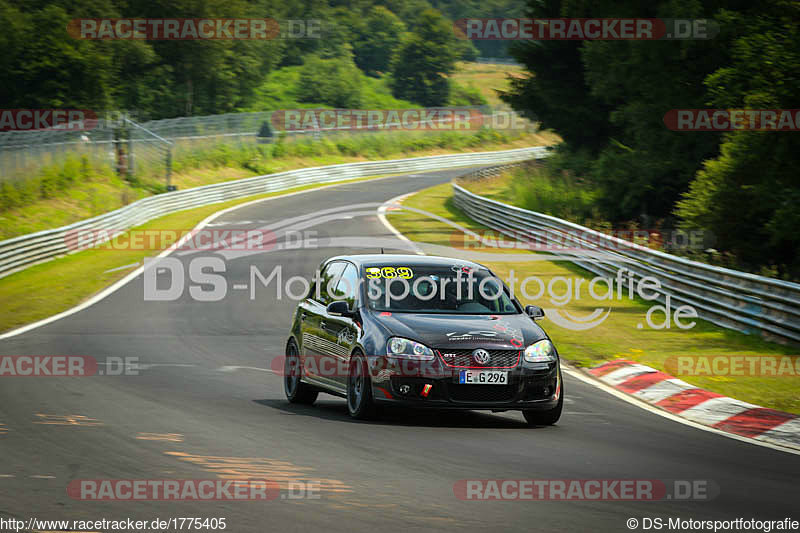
{"x":148,"y":148}
{"x":26,"y":152}
{"x":126,"y":146}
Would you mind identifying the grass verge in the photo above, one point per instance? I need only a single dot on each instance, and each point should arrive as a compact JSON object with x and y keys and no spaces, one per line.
{"x":487,"y":78}
{"x":83,"y":187}
{"x":618,"y":336}
{"x":54,"y":286}
{"x":534,"y":187}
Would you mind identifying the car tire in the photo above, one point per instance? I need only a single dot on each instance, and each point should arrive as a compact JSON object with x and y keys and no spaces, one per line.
{"x":296,"y":391}
{"x":360,"y":404}
{"x":548,"y":417}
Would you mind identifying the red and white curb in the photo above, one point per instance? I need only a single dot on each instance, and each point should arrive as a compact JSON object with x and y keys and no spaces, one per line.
{"x":699,"y":405}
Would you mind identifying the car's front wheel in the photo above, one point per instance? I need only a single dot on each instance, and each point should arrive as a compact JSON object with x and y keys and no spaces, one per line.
{"x":296,"y":391}
{"x":360,"y":404}
{"x":548,"y":417}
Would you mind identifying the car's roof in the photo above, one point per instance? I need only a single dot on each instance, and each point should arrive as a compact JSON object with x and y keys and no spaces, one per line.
{"x":405,"y":259}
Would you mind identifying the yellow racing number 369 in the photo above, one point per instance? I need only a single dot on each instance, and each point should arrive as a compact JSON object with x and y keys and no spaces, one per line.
{"x":389,"y":272}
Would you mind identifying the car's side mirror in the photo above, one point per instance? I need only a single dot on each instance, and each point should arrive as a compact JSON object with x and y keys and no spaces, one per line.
{"x":339,"y":308}
{"x":534,"y":311}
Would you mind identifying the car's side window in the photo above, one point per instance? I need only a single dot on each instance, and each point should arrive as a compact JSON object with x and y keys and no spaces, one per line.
{"x":328,"y":277}
{"x":347,"y":288}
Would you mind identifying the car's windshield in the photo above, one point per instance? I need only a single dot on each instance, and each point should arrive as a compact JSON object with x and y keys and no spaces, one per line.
{"x":436,"y":289}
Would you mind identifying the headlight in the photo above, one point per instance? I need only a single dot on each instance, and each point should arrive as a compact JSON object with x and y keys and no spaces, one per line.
{"x":542,"y":351}
{"x":408,"y":349}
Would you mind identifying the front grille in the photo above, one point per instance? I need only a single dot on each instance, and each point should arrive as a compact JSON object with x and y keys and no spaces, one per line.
{"x":463,"y":358}
{"x":482,"y":393}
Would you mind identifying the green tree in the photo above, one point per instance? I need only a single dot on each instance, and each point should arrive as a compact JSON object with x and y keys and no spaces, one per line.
{"x":645,"y":167}
{"x":459,"y":9}
{"x":294,"y":50}
{"x":424,"y":60}
{"x":334,"y":82}
{"x":607,"y":99}
{"x":44,"y":67}
{"x":377,"y":41}
{"x":555,"y":91}
{"x":208,"y":77}
{"x":47,"y":67}
{"x":748,"y":195}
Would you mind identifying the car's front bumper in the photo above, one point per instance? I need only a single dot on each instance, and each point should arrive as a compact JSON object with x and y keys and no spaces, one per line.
{"x":530,"y":387}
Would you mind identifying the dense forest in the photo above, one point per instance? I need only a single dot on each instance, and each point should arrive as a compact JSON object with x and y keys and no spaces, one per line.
{"x":608,"y":99}
{"x":410,"y":43}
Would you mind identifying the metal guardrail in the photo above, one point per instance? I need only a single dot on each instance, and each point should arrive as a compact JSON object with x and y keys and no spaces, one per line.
{"x":21,"y":252}
{"x":730,"y":298}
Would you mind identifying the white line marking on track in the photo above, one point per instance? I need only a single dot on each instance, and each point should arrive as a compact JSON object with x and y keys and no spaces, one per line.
{"x":235,"y":368}
{"x":133,"y":275}
{"x":123,"y":267}
{"x":148,"y":366}
{"x":382,"y":217}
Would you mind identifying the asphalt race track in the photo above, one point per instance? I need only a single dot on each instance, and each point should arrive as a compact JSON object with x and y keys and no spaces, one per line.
{"x":205,"y":381}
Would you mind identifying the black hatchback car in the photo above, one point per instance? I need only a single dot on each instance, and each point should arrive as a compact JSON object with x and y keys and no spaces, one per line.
{"x":420,"y":331}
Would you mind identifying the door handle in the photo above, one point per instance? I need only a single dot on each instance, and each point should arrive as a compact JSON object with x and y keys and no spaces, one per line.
{"x":302,"y":316}
{"x":323,"y":324}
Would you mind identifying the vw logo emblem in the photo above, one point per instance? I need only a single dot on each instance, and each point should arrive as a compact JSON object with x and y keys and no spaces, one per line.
{"x":481,"y":356}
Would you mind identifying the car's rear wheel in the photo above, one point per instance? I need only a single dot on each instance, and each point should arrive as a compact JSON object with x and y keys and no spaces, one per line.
{"x":548,"y":417}
{"x":360,"y":404}
{"x":296,"y":391}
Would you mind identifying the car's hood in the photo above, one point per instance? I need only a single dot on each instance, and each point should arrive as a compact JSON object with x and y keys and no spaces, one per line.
{"x":463,"y":331}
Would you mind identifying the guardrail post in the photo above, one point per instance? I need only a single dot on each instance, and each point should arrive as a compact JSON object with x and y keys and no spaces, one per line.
{"x":130,"y":151}
{"x":169,"y":169}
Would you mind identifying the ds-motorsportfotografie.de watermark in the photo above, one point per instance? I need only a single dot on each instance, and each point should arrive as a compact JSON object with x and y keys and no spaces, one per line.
{"x":677,"y":523}
{"x":167,"y":279}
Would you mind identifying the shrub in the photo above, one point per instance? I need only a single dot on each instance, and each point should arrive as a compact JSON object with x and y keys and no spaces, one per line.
{"x":333,"y":82}
{"x":469,"y":95}
{"x":265,"y":131}
{"x":557,"y":194}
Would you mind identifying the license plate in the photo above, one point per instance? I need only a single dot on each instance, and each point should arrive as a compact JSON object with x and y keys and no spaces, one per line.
{"x":483,"y":377}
